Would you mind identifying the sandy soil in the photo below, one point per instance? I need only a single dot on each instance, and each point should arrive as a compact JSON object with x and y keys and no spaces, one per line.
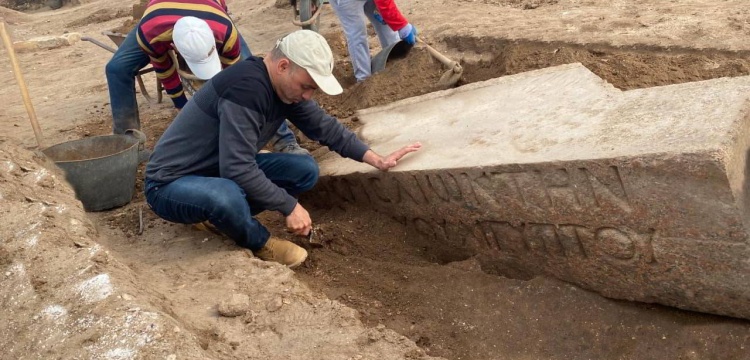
{"x":440,"y":299}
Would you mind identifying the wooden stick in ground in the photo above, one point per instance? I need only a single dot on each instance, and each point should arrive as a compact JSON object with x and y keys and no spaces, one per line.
{"x":21,"y":84}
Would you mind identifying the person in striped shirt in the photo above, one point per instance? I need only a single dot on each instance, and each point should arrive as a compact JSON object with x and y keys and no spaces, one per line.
{"x":150,"y":42}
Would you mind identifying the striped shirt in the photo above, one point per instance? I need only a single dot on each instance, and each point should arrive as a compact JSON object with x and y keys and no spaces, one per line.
{"x":155,"y":37}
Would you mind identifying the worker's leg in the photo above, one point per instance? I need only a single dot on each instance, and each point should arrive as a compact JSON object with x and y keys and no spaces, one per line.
{"x":121,"y":71}
{"x":244,"y":48}
{"x":295,"y":174}
{"x":194,"y":199}
{"x":351,"y":16}
{"x":385,"y":34}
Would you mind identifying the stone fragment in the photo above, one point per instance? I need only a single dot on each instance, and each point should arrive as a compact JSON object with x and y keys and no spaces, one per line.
{"x":639,"y":195}
{"x":236,"y":305}
{"x":275,"y":304}
{"x":46,"y":42}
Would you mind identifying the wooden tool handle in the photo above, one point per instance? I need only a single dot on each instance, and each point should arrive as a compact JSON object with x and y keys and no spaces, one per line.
{"x":21,"y":84}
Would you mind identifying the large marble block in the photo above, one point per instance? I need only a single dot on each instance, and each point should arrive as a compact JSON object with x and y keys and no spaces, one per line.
{"x":638,"y":195}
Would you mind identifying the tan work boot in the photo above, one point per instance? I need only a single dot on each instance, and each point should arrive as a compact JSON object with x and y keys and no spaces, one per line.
{"x":283,"y":252}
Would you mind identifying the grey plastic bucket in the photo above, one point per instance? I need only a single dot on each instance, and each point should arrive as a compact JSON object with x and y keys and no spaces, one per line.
{"x":101,"y":169}
{"x":395,"y":51}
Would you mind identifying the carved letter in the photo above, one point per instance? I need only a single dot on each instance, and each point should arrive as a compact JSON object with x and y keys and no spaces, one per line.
{"x":376,"y":190}
{"x":561,"y":193}
{"x":533,"y":189}
{"x":615,"y":243}
{"x":408,"y":189}
{"x":500,"y":235}
{"x":570,"y":240}
{"x":607,"y":187}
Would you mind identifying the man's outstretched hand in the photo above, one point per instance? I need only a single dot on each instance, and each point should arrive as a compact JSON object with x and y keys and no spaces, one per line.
{"x":385,"y":163}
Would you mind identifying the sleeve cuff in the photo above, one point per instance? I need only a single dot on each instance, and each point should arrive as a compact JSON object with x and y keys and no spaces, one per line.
{"x":179,"y":102}
{"x":288,"y":206}
{"x":358,"y":153}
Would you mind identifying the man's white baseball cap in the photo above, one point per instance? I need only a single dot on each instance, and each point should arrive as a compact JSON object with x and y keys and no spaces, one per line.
{"x":310,"y":51}
{"x":196,"y":44}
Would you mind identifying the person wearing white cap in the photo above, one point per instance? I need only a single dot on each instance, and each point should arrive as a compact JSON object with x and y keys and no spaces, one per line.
{"x":207,"y":165}
{"x":205,"y":36}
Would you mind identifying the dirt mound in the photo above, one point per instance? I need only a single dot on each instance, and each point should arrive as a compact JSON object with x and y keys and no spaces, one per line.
{"x":523,"y":4}
{"x":624,"y":67}
{"x":63,"y":295}
{"x":100,"y":16}
{"x":126,"y":26}
{"x":416,"y":74}
{"x":32,"y":5}
{"x":13,"y":17}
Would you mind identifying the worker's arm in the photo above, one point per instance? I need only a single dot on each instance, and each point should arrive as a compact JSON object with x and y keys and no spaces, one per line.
{"x":393,"y":18}
{"x":386,"y":163}
{"x":391,"y":14}
{"x":229,"y":53}
{"x":317,"y":125}
{"x":166,"y":70}
{"x":239,"y":129}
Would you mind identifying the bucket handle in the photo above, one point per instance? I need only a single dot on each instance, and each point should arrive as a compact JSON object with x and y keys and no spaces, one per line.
{"x":140,"y":136}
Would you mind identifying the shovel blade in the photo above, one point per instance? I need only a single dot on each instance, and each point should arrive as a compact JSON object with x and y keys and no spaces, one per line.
{"x":394,"y":51}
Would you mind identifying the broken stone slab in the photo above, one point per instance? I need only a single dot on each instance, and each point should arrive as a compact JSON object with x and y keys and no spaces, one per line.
{"x":639,"y":195}
{"x":46,"y":42}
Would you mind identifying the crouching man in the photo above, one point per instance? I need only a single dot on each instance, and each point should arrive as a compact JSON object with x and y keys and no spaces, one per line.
{"x":207,"y":165}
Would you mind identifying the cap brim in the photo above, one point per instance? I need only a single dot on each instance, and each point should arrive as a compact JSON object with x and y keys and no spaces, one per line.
{"x":327,"y":83}
{"x":207,"y":68}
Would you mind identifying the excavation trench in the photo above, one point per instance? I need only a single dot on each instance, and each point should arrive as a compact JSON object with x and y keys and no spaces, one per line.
{"x":446,"y":298}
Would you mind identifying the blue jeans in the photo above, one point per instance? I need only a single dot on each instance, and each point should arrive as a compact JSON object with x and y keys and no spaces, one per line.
{"x":193,"y":199}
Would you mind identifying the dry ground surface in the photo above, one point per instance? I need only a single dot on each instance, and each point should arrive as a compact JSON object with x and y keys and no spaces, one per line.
{"x":394,"y":279}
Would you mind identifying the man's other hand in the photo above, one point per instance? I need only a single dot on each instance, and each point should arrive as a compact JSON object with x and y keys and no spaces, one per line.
{"x":385,"y":163}
{"x":299,"y":222}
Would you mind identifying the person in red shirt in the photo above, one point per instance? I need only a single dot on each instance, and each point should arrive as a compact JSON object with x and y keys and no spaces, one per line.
{"x":390,"y":26}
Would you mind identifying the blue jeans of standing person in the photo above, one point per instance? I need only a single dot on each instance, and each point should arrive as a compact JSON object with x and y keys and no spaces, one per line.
{"x":121,"y":71}
{"x":351,"y":14}
{"x":193,"y":199}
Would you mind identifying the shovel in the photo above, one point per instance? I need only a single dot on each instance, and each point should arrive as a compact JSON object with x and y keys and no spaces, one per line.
{"x":396,"y":50}
{"x":455,"y":70}
{"x":401,"y":49}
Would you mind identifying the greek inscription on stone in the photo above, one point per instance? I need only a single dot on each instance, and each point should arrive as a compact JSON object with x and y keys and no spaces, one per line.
{"x":557,"y":190}
{"x":537,"y":192}
{"x":568,"y":240}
